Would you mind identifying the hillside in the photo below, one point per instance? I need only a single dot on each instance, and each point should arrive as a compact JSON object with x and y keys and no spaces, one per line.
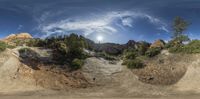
{"x":48,"y":70}
{"x":99,"y":78}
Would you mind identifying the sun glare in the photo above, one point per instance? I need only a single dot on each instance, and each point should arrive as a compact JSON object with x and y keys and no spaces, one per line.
{"x":99,"y":38}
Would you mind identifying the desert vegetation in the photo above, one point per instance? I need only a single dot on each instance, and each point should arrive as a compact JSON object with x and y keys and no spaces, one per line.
{"x":180,"y":43}
{"x":2,"y":46}
{"x":67,"y":50}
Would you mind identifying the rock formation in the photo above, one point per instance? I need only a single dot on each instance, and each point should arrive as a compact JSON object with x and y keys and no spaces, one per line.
{"x":158,"y":44}
{"x":18,"y":36}
{"x":12,"y":39}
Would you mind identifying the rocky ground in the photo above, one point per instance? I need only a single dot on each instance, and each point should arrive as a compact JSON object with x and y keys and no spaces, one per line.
{"x":165,"y":76}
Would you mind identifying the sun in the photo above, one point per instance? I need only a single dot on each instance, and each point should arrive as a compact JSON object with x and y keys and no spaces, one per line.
{"x":99,"y":38}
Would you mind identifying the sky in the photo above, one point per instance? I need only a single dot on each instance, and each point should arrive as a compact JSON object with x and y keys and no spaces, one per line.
{"x":114,"y":21}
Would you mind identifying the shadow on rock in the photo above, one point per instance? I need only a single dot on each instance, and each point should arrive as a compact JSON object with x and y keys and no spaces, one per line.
{"x":30,"y":58}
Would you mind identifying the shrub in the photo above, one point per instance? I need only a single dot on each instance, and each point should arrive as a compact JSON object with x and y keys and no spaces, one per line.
{"x":60,"y":53}
{"x":66,"y":48}
{"x":2,"y":46}
{"x":143,"y":47}
{"x":176,"y":49}
{"x":169,"y":45}
{"x":77,"y":64}
{"x":36,"y":42}
{"x":24,"y":50}
{"x":177,"y":42}
{"x":11,"y":46}
{"x":192,"y":47}
{"x":27,"y":53}
{"x":151,"y":52}
{"x":130,"y":55}
{"x":133,"y":64}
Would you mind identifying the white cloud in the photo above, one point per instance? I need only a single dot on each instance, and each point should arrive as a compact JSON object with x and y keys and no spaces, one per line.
{"x":99,"y":23}
{"x":127,"y":22}
{"x":152,"y":19}
{"x":164,"y":28}
{"x":87,"y":26}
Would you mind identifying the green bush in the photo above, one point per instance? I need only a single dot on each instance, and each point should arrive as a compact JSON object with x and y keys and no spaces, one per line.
{"x":133,"y":64}
{"x":130,"y":55}
{"x":77,"y":64}
{"x":143,"y":47}
{"x":151,"y":52}
{"x":36,"y":42}
{"x":11,"y":46}
{"x":192,"y":47}
{"x":176,"y":49}
{"x":66,"y":48}
{"x":27,"y":53}
{"x":177,"y":42}
{"x":24,"y":50}
{"x":2,"y":46}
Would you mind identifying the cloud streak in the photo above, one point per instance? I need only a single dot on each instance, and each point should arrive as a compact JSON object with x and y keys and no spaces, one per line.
{"x":99,"y":24}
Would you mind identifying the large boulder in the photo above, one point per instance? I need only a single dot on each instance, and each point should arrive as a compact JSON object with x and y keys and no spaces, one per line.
{"x":158,"y":44}
{"x":23,"y":36}
{"x":11,"y":36}
{"x":18,"y":36}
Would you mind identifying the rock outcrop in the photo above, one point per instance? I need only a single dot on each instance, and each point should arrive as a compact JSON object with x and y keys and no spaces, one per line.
{"x":14,"y":38}
{"x":131,"y":44}
{"x":18,"y":36}
{"x":158,"y":44}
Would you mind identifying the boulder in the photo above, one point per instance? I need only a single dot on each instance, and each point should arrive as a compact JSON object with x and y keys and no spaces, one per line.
{"x":158,"y":44}
{"x":18,"y":36}
{"x":11,"y":39}
{"x":23,"y":36}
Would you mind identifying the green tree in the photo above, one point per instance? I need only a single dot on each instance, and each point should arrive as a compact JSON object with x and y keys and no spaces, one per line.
{"x":179,"y":26}
{"x":67,"y":48}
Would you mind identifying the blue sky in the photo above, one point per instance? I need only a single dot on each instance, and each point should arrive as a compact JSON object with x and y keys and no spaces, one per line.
{"x":115,"y":20}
